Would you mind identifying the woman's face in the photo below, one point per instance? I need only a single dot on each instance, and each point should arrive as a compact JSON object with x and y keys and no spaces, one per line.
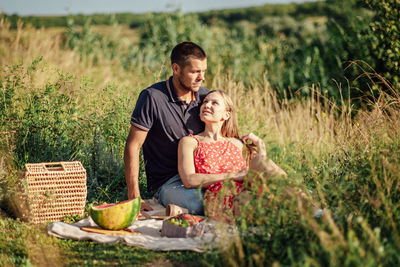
{"x":214,"y":109}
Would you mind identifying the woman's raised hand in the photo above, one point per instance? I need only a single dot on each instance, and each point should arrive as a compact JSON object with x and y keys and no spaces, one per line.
{"x":258,"y":158}
{"x":259,"y":162}
{"x":255,"y":141}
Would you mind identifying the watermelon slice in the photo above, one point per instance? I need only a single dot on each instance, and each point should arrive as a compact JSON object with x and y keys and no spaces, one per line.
{"x":116,"y":216}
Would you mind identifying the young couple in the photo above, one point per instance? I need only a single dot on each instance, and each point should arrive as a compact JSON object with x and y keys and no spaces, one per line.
{"x":189,"y":137}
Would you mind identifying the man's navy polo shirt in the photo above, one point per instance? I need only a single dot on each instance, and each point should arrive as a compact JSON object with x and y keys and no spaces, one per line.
{"x":159,"y":111}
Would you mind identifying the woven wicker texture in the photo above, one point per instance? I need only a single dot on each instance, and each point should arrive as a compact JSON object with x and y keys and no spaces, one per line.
{"x":54,"y":190}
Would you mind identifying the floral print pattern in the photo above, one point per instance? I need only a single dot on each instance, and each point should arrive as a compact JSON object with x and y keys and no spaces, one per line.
{"x":219,"y":157}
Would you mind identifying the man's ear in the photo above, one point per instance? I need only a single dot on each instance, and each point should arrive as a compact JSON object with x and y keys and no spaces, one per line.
{"x":175,"y":68}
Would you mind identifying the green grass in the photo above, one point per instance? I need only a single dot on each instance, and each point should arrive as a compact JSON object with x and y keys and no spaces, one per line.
{"x":24,"y":244}
{"x":89,"y":253}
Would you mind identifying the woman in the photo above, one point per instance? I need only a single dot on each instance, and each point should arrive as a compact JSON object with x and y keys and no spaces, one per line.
{"x":214,"y":156}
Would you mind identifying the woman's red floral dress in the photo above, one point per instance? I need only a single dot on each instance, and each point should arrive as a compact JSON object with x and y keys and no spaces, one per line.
{"x":219,"y":157}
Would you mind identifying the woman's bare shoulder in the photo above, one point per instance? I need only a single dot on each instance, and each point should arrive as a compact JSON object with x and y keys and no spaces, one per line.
{"x":237,"y":142}
{"x":188,"y":140}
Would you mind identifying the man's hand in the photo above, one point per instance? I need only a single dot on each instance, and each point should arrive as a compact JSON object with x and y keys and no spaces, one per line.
{"x":144,"y":206}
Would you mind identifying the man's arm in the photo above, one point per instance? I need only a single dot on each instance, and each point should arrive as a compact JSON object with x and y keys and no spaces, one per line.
{"x":134,"y":142}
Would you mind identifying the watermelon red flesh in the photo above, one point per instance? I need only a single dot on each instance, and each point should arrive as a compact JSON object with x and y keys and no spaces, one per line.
{"x":103,"y":206}
{"x":116,"y":216}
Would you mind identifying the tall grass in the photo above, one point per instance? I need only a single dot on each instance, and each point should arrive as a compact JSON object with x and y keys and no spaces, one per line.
{"x":351,"y":167}
{"x":67,"y":94}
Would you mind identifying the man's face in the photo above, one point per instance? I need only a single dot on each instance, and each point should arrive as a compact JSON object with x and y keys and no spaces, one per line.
{"x":191,"y":75}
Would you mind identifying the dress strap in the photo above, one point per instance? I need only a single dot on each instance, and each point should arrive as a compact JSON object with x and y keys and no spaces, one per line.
{"x":198,"y":142}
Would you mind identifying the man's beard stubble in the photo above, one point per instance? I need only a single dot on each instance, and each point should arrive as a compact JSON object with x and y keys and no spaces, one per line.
{"x":183,"y":86}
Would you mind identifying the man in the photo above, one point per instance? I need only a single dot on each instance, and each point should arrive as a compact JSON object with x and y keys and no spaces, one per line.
{"x":164,"y":113}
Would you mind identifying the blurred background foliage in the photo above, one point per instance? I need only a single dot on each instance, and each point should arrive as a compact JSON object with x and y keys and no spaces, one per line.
{"x":333,"y":43}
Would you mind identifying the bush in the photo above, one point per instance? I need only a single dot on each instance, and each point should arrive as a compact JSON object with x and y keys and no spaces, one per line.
{"x":363,"y":35}
{"x":385,"y":32}
{"x":44,"y":119}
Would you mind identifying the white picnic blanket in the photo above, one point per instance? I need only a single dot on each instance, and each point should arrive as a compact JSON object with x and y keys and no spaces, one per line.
{"x":150,"y":237}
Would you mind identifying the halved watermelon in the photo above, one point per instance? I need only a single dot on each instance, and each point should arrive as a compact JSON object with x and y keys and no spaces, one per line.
{"x":116,"y":216}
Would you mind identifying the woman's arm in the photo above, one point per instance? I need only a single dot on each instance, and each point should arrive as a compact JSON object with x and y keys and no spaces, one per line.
{"x":191,"y":179}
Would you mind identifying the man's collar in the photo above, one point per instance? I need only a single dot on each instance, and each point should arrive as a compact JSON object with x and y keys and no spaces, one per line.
{"x":172,"y":93}
{"x":171,"y":90}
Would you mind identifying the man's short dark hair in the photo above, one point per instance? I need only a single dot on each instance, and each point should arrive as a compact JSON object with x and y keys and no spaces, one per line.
{"x":182,"y":51}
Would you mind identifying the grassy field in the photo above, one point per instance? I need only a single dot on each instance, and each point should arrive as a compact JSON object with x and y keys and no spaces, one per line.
{"x":68,"y":93}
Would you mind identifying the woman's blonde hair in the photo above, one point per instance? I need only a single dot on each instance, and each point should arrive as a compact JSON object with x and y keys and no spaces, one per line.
{"x":230,"y":126}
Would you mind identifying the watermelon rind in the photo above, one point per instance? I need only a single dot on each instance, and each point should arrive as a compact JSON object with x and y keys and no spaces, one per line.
{"x":118,"y":216}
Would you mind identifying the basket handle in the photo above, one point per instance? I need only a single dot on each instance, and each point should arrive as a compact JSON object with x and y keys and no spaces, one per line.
{"x":49,"y":164}
{"x":33,"y":167}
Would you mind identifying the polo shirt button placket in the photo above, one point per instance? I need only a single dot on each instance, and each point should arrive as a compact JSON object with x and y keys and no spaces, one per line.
{"x":186,"y":106}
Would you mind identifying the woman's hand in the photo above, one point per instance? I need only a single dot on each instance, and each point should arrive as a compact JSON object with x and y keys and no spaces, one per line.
{"x":241,"y":175}
{"x":258,"y":157}
{"x":259,"y":161}
{"x":254,"y":141}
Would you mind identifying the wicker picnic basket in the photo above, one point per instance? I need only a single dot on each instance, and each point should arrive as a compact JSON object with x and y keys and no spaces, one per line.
{"x":53,"y":190}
